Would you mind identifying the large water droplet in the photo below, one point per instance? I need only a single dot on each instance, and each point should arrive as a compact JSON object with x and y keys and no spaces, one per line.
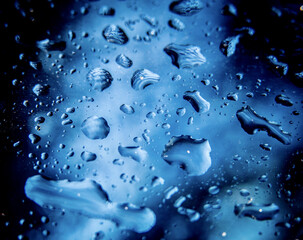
{"x":124,"y":61}
{"x":134,"y":152}
{"x":198,"y":102}
{"x":95,"y":127}
{"x":192,"y":155}
{"x":283,"y":100}
{"x":99,"y":79}
{"x":228,"y":45}
{"x":186,"y":7}
{"x":89,"y":199}
{"x":185,"y":56}
{"x":257,"y":211}
{"x":281,"y":68}
{"x":143,"y":78}
{"x":115,"y":34}
{"x":41,"y":90}
{"x":251,"y":122}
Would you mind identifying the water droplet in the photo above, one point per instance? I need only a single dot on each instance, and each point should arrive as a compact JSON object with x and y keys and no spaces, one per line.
{"x":186,"y":7}
{"x":230,"y":10}
{"x":134,"y":152}
{"x":192,"y":215}
{"x":265,"y":146}
{"x":257,"y":211}
{"x":99,"y":79}
{"x":115,"y":34}
{"x":34,"y":138}
{"x":151,"y":115}
{"x":67,"y":122}
{"x":177,"y":24}
{"x":192,"y":155}
{"x":232,"y":96}
{"x":39,"y":120}
{"x":228,"y":45}
{"x":48,"y":45}
{"x":170,"y":191}
{"x":106,"y":11}
{"x":88,"y":156}
{"x":95,"y":127}
{"x":88,"y":198}
{"x":179,"y":201}
{"x":127,"y":109}
{"x":197,"y":102}
{"x":124,"y":61}
{"x":181,"y":111}
{"x":244,"y":192}
{"x":251,"y":122}
{"x":118,"y":162}
{"x":152,"y":21}
{"x":156,"y":181}
{"x":281,"y":68}
{"x":44,"y":156}
{"x":185,"y":56}
{"x":283,"y":100}
{"x":143,"y":78}
{"x":41,"y":90}
{"x":213,"y":190}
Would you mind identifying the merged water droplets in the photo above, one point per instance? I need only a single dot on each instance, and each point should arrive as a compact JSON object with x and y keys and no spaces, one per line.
{"x":95,"y":127}
{"x":257,"y":211}
{"x":143,"y":78}
{"x":280,"y":67}
{"x":134,"y":152}
{"x":186,"y":7}
{"x":185,"y":56}
{"x":115,"y":34}
{"x":283,"y":100}
{"x":89,"y":199}
{"x":99,"y":79}
{"x":228,"y":45}
{"x":251,"y":122}
{"x":192,"y":155}
{"x":197,"y":101}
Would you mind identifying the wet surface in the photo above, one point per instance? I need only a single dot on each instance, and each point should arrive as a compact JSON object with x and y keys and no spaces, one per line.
{"x":151,"y":119}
